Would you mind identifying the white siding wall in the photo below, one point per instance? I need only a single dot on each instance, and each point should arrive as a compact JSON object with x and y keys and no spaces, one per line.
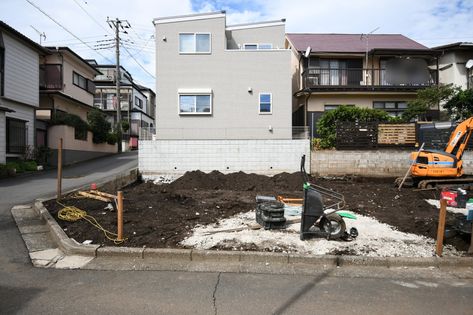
{"x":2,"y":137}
{"x":22,"y":112}
{"x":21,"y":72}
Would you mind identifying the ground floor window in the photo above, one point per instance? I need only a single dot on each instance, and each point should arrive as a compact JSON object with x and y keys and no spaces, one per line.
{"x":329,"y":107}
{"x":394,"y":108}
{"x":195,"y":104}
{"x":16,"y":135}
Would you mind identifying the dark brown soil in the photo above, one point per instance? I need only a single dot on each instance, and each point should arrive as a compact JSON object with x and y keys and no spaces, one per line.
{"x":163,"y":215}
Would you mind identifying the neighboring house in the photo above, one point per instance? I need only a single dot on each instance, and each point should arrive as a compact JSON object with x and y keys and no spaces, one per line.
{"x":382,"y":71}
{"x":453,"y":64}
{"x":217,"y":81}
{"x":19,"y":91}
{"x":66,"y":86}
{"x":134,"y":102}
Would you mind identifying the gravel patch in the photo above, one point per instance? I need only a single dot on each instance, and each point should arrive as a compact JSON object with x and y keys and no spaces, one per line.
{"x":375,"y":239}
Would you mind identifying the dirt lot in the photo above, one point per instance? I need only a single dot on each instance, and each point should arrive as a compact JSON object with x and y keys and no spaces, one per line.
{"x":163,"y":215}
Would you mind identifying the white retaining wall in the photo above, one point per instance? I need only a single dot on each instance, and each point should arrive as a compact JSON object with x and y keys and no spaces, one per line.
{"x":269,"y":157}
{"x":376,"y":163}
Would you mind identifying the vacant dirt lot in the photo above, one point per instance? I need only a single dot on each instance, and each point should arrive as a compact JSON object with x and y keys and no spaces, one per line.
{"x":163,"y":215}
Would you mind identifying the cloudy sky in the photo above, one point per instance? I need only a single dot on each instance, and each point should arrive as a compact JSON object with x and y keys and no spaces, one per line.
{"x":82,"y":23}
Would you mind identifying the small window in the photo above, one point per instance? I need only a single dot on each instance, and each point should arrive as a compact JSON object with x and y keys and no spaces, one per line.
{"x":79,"y":81}
{"x":194,"y":43}
{"x":195,"y":104}
{"x":265,"y":46}
{"x":138,"y":102}
{"x":335,"y":106}
{"x":265,"y":103}
{"x":250,"y":46}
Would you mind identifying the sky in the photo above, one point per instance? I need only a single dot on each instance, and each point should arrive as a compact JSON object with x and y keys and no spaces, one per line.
{"x":83,"y":23}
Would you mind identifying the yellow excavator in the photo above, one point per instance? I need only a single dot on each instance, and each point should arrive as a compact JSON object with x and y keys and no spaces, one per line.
{"x":433,"y":167}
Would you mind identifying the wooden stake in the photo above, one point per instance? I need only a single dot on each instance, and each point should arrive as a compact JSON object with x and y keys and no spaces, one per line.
{"x":470,"y":250}
{"x":120,"y":215}
{"x":441,"y":226}
{"x":59,"y":170}
{"x":92,"y":196}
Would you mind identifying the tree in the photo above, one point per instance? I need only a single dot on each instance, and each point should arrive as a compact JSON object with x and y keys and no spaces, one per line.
{"x":460,"y":106}
{"x":98,"y":125}
{"x":327,"y":124}
{"x":426,"y":99}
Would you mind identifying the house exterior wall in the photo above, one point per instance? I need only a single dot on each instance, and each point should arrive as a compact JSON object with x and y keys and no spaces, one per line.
{"x":70,"y":66}
{"x":261,"y":35}
{"x":317,"y":102}
{"x":455,"y":74}
{"x":71,"y":107}
{"x":21,"y":72}
{"x":228,"y":74}
{"x":2,"y":138}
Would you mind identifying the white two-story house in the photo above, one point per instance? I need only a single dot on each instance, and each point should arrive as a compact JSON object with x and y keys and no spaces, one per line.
{"x":19,"y":91}
{"x":216,"y":81}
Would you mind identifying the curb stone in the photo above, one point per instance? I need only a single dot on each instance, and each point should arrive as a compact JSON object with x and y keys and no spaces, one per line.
{"x":192,"y":259}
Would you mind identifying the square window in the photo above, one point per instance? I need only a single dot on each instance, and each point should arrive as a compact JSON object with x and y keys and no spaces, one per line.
{"x":378,"y":105}
{"x":402,"y":105}
{"x":202,"y":103}
{"x":186,"y":103}
{"x":250,"y":46}
{"x":265,"y":103}
{"x":202,"y":42}
{"x":186,"y":43}
{"x":389,"y":105}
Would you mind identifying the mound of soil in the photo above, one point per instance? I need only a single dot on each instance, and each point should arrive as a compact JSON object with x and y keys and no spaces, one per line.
{"x":163,"y":215}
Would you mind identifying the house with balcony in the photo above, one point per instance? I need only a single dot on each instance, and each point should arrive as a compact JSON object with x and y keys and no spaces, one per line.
{"x":135,"y":105}
{"x":19,"y":92}
{"x":453,"y":64}
{"x":219,"y":81}
{"x":66,"y":87}
{"x":382,"y":71}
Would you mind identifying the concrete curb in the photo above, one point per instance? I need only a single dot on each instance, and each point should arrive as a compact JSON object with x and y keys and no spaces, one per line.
{"x":239,"y":261}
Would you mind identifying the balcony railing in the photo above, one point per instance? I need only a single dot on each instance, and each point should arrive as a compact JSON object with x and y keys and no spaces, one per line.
{"x":50,"y":77}
{"x":357,"y":77}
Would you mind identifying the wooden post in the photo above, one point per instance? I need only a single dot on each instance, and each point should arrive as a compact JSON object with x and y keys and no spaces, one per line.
{"x":441,"y":226}
{"x":59,"y":169}
{"x":120,"y":215}
{"x":470,"y":250}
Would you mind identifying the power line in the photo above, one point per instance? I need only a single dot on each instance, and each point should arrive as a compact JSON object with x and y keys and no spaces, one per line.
{"x":89,"y":15}
{"x":64,"y":28}
{"x":139,"y":64}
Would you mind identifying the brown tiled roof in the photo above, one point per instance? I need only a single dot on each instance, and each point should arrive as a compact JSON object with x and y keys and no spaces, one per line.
{"x":353,"y":43}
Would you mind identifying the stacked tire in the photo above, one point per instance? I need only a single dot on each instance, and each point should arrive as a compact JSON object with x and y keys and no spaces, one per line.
{"x":270,"y":215}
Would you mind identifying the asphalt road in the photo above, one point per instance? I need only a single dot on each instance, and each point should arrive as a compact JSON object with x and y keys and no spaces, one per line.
{"x":28,"y":290}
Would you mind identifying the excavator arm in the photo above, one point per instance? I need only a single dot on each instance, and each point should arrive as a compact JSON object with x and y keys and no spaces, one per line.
{"x":459,"y":138}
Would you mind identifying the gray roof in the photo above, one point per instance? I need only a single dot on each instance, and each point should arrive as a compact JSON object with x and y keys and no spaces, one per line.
{"x":351,"y":43}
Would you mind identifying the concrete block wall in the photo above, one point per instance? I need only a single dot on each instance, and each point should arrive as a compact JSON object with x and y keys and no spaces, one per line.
{"x":375,"y":163}
{"x":269,"y":157}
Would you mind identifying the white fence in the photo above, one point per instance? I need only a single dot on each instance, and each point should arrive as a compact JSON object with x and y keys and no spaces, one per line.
{"x":269,"y":157}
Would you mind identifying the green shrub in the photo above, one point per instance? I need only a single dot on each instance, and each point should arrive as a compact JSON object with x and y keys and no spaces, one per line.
{"x":80,"y":126}
{"x":98,"y":125}
{"x":30,"y":166}
{"x":112,"y":138}
{"x":6,"y":170}
{"x":327,"y":124}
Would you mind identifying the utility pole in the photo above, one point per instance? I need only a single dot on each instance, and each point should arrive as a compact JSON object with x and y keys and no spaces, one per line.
{"x":119,"y":26}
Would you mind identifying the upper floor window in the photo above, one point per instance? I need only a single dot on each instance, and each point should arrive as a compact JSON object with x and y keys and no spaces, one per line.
{"x":394,"y":108}
{"x":257,"y":46}
{"x":194,"y":43}
{"x":83,"y":83}
{"x":265,"y":103}
{"x":138,"y":102}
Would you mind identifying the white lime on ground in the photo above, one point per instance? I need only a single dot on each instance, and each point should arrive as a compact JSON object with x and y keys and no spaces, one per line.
{"x":375,"y":239}
{"x":436,"y":203}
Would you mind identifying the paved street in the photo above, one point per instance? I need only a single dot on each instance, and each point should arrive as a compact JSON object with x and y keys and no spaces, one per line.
{"x":28,"y":290}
